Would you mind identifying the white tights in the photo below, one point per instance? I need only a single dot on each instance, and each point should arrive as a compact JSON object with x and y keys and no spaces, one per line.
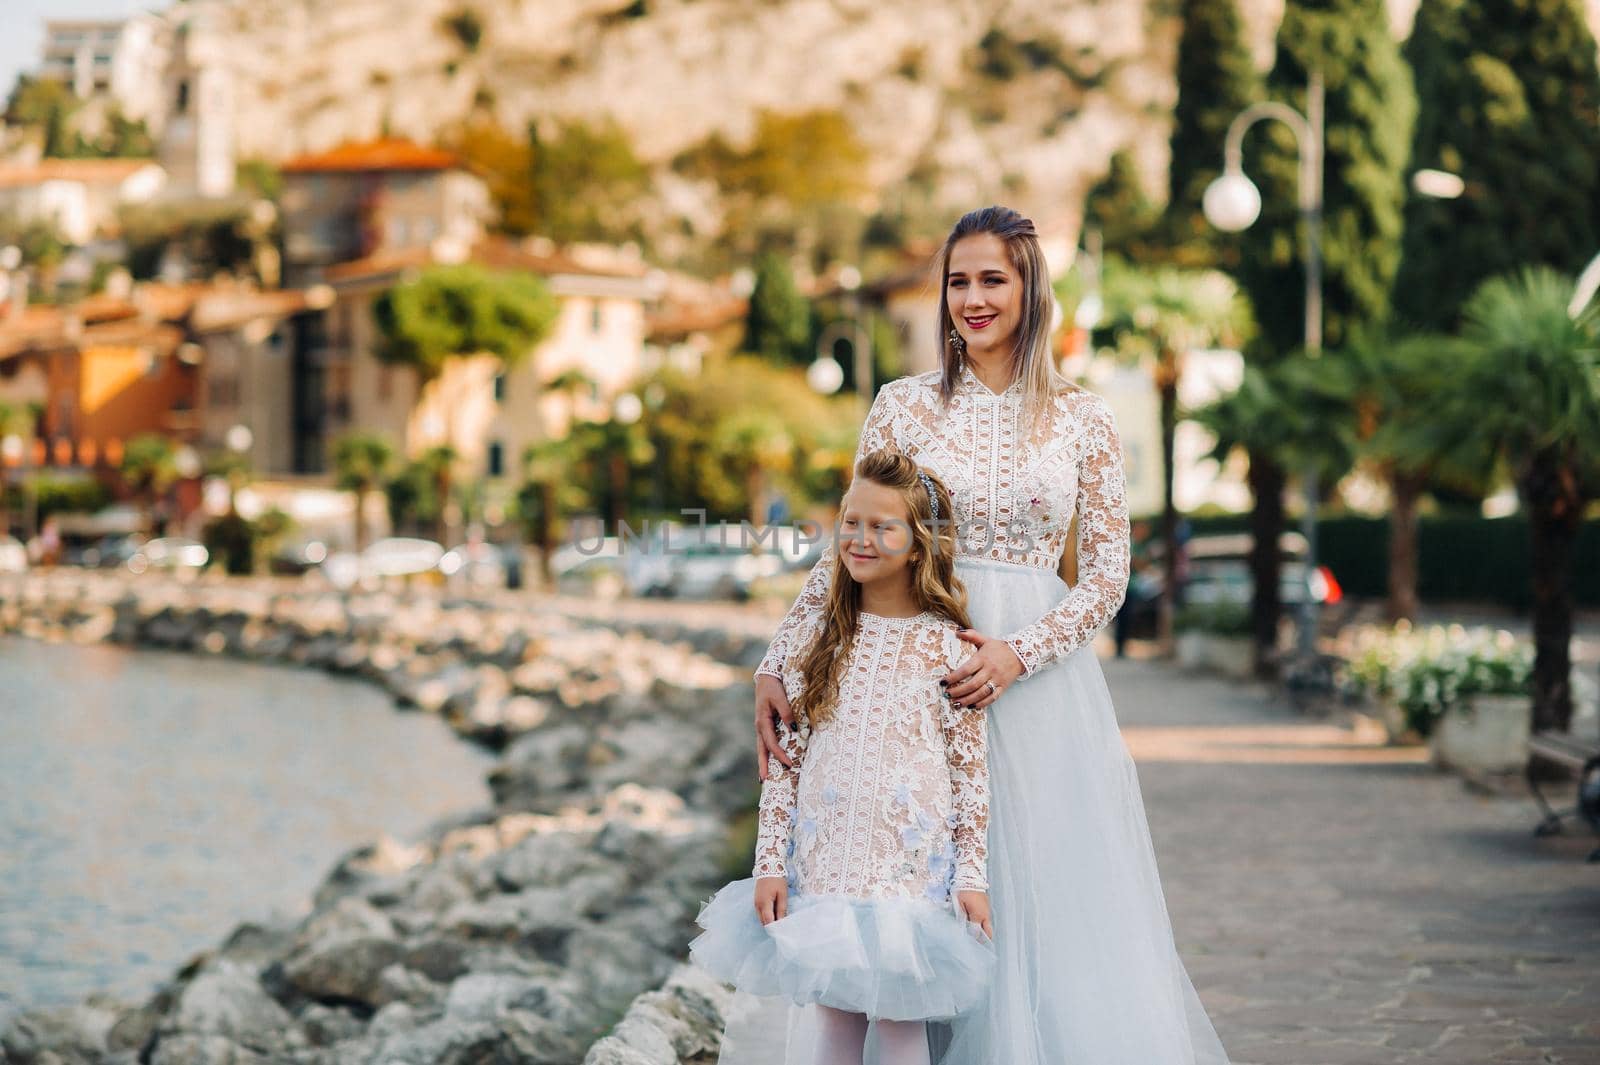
{"x":844,"y":1037}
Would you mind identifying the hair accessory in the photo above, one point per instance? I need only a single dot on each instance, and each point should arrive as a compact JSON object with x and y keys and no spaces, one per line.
{"x":933,"y":498}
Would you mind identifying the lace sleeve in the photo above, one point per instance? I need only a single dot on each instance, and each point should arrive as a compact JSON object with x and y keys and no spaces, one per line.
{"x":875,"y":433}
{"x":966,"y":753}
{"x":776,"y":815}
{"x":1102,"y":550}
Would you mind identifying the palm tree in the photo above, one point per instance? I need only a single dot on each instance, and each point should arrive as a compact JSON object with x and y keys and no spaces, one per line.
{"x":1162,"y":314}
{"x":1530,"y":391}
{"x":19,"y":420}
{"x":1290,"y":414}
{"x":1392,"y":380}
{"x":439,"y":461}
{"x":546,"y":466}
{"x":149,"y":468}
{"x":363,"y":462}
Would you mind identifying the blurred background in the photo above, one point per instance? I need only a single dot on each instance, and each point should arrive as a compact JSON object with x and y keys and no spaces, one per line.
{"x":491,"y":305}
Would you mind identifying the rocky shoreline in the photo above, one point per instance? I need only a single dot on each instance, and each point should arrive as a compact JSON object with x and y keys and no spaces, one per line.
{"x":547,"y":927}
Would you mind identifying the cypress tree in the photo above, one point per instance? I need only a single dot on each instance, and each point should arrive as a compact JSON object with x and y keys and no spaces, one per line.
{"x":778,"y":324}
{"x":1510,"y":101}
{"x":1215,"y":82}
{"x":1370,"y":112}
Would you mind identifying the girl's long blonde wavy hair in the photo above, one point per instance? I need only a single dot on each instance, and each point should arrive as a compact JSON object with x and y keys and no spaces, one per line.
{"x":1030,"y":355}
{"x":934,"y":584}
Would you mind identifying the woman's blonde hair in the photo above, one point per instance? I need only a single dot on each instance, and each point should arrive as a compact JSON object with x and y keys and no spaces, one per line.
{"x":1030,"y":356}
{"x":934,"y":584}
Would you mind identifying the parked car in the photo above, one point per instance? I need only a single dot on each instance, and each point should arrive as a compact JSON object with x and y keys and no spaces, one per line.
{"x":175,"y":553}
{"x":707,"y":568}
{"x":107,"y":552}
{"x":298,"y":557}
{"x":1219,"y":572}
{"x":477,"y":565}
{"x":13,"y":555}
{"x":395,"y":557}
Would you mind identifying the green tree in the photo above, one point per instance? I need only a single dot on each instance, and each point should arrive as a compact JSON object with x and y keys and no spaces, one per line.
{"x":1531,"y":391}
{"x":778,"y":324}
{"x":1118,"y":206}
{"x":587,"y":183}
{"x":1510,"y":101}
{"x":785,"y":187}
{"x":1288,"y":414}
{"x":1370,"y":112}
{"x":1391,"y":380}
{"x":1370,"y":115}
{"x":419,"y":495}
{"x":363,"y":462}
{"x":506,"y":164}
{"x":1216,"y":80}
{"x":462,"y":309}
{"x":149,"y":468}
{"x":1157,"y":315}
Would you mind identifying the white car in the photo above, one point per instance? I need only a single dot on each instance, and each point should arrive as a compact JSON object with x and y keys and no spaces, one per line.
{"x":170,"y":553}
{"x":13,"y":556}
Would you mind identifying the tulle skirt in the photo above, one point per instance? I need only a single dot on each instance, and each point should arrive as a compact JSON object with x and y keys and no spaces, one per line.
{"x":1086,"y":970}
{"x":904,"y":959}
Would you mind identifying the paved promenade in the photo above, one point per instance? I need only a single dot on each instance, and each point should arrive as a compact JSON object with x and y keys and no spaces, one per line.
{"x":1339,"y":903}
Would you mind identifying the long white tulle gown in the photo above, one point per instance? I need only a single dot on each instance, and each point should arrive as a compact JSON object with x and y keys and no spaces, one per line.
{"x":1086,"y":970}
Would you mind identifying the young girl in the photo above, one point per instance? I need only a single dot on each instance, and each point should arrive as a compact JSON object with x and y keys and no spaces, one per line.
{"x":868,"y":903}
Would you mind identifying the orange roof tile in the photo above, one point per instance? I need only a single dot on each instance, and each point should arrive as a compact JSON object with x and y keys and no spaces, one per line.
{"x":88,"y":171}
{"x":393,"y":153}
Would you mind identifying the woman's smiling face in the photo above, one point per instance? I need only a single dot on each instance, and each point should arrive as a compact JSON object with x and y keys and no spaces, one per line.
{"x":984,"y":293}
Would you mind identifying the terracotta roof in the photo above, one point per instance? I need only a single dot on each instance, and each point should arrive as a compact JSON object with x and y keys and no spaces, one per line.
{"x":678,"y":321}
{"x":393,"y":153}
{"x":496,"y":253}
{"x":88,"y":171}
{"x":174,"y":311}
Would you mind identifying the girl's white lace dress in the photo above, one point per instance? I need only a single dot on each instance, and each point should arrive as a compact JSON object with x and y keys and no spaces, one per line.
{"x":1086,"y":969}
{"x":882,"y":819}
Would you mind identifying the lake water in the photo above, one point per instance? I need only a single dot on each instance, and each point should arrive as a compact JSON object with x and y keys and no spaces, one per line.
{"x":150,"y":801}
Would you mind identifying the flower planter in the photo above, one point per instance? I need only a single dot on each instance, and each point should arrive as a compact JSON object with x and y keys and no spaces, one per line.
{"x":1231,"y":656}
{"x":1393,"y":716}
{"x":1487,"y":734}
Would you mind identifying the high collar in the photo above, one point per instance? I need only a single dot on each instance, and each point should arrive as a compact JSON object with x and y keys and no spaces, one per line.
{"x":970,"y":383}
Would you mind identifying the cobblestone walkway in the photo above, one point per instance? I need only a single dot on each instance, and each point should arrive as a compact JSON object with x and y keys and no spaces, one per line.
{"x":1344,"y":904}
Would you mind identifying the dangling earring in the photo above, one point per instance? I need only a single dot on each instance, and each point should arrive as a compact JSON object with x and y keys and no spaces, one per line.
{"x":957,"y":343}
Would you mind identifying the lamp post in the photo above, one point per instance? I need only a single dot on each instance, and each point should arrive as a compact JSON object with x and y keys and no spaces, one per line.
{"x":1232,"y":203}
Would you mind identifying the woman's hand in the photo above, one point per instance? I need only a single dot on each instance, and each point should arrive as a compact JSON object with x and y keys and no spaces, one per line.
{"x":994,"y":660}
{"x":975,"y":905}
{"x":770,"y":700}
{"x":772,"y":899}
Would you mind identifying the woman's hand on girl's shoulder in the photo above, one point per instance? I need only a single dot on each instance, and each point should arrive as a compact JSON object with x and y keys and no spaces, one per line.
{"x":772,"y":898}
{"x":975,"y":905}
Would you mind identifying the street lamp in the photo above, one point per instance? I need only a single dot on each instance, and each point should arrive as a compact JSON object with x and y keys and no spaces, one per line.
{"x":1232,"y":202}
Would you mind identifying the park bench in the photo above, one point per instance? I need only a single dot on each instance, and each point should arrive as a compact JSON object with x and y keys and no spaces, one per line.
{"x":1560,"y":748}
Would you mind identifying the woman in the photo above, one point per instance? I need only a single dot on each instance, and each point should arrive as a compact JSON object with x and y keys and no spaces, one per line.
{"x":1086,"y":967}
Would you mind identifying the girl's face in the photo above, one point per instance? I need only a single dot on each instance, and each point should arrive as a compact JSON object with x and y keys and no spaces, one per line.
{"x":874,"y":532}
{"x":984,"y":293}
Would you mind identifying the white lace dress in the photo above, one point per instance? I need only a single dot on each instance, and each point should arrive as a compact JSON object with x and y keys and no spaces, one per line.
{"x":1086,"y":970}
{"x":882,"y":819}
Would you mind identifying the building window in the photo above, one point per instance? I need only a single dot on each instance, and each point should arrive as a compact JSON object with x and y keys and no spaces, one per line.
{"x":182,"y":105}
{"x":500,"y":387}
{"x":497,"y":459}
{"x":596,"y":318}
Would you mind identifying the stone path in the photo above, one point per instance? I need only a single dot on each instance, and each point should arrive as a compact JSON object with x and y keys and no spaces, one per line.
{"x":1344,"y":904}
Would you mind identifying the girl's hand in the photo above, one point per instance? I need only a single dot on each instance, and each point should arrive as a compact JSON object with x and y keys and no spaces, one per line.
{"x":772,"y":899}
{"x":770,"y":699}
{"x":975,"y":905}
{"x":968,"y":683}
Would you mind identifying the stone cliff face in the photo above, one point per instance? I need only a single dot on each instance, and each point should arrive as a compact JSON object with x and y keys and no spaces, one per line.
{"x":1023,"y":101}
